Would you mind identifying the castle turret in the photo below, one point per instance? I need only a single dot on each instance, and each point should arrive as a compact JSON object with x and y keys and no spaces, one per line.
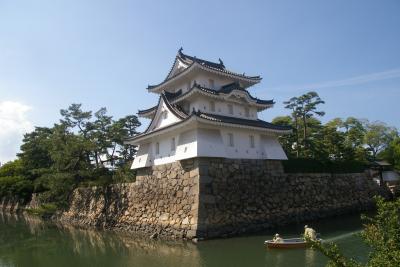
{"x":205,"y":110}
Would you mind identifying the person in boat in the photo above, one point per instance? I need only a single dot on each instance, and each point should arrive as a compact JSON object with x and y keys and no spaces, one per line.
{"x":309,"y":233}
{"x":277,"y":239}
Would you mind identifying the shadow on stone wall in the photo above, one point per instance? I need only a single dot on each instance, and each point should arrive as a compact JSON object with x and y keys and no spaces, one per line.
{"x":243,"y":196}
{"x":162,"y":202}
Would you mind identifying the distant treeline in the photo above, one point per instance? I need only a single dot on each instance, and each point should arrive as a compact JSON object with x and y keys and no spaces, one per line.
{"x":340,"y":143}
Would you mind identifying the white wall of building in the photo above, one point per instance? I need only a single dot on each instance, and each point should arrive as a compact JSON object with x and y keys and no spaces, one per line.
{"x":209,"y":142}
{"x":272,"y":148}
{"x":163,"y":117}
{"x":143,"y":156}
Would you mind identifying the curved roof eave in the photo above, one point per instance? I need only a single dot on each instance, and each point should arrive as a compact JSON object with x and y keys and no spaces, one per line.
{"x":207,"y":119}
{"x":177,"y":97}
{"x":249,"y":79}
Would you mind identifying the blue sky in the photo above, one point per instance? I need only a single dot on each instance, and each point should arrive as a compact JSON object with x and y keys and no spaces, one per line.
{"x":105,"y":53}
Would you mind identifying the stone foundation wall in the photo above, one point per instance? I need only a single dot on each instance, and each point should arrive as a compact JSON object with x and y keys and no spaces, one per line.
{"x":238,"y":196}
{"x":163,"y":201}
{"x":214,"y":197}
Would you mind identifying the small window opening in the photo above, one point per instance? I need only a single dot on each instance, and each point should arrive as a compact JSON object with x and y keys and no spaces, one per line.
{"x":230,"y":109}
{"x":212,"y":106}
{"x":230,"y":139}
{"x":211,"y":83}
{"x":252,"y":145}
{"x":173,"y":144}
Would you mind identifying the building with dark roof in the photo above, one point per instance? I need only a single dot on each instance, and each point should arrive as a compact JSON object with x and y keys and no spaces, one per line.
{"x":205,"y":110}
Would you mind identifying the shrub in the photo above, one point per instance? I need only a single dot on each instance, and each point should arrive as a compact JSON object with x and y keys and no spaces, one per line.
{"x":124,"y":174}
{"x":381,"y":233}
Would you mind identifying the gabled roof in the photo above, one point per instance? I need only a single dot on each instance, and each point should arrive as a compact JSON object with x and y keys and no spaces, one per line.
{"x":225,"y":90}
{"x":175,"y":110}
{"x":189,"y":63}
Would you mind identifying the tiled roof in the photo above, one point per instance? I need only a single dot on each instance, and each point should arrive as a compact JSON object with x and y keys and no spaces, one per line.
{"x":227,"y":89}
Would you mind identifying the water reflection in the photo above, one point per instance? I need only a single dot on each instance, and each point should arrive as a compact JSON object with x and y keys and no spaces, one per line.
{"x":30,"y":241}
{"x":295,"y":257}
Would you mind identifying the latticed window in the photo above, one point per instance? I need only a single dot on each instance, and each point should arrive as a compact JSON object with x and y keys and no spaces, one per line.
{"x":157,"y":148}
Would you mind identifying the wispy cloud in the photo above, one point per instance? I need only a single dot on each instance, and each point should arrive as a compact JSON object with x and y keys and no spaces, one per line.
{"x":13,"y":124}
{"x":362,"y":79}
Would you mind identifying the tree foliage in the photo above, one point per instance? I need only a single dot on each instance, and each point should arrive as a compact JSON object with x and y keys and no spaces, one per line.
{"x":381,"y":233}
{"x":349,"y":139}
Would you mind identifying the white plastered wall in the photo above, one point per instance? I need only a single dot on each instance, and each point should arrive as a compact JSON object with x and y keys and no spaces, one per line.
{"x":163,"y":117}
{"x":209,"y":142}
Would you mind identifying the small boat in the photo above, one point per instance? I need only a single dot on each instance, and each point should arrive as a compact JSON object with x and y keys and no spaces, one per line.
{"x":288,"y":243}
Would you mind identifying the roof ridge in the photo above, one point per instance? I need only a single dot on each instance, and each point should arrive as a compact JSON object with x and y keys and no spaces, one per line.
{"x":219,"y":65}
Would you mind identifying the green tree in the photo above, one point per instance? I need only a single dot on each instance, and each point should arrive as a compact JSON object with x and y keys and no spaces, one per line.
{"x":332,"y":142}
{"x":303,"y":109}
{"x":292,"y":104}
{"x":377,"y":137}
{"x":128,"y":124}
{"x":69,"y":151}
{"x":307,"y":108}
{"x":392,"y":153}
{"x":82,"y":149}
{"x":287,"y":140}
{"x":12,"y":168}
{"x":35,"y":154}
{"x":14,"y":182}
{"x":101,"y":135}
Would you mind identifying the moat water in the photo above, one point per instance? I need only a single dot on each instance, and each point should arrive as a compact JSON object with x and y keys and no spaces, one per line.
{"x":30,"y":242}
